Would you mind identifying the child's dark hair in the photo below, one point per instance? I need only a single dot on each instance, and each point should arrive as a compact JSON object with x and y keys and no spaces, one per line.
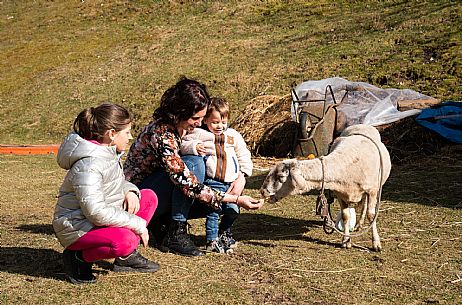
{"x":220,"y":105}
{"x":181,"y":101}
{"x":92,"y":123}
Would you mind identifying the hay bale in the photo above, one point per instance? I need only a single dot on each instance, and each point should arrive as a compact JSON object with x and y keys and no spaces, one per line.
{"x":266,"y":126}
{"x":407,"y":141}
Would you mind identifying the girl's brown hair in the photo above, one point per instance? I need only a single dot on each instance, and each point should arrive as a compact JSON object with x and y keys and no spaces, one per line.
{"x":92,"y":123}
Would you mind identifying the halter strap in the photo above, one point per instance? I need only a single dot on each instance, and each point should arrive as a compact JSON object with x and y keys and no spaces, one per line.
{"x":322,"y":170}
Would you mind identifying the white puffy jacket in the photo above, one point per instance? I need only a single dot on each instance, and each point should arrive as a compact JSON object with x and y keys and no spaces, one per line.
{"x":228,"y":153}
{"x":93,"y":191}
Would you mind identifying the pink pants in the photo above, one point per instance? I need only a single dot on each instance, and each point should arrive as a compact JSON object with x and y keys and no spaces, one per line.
{"x":110,"y":242}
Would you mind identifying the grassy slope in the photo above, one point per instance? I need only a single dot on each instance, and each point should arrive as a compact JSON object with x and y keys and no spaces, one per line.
{"x":58,"y":57}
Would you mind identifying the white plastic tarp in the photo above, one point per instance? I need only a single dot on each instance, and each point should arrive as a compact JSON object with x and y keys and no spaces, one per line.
{"x":359,"y":102}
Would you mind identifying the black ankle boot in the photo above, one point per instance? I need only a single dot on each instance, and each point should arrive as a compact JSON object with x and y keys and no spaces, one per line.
{"x":178,"y":241}
{"x":158,"y":229}
{"x":77,"y":271}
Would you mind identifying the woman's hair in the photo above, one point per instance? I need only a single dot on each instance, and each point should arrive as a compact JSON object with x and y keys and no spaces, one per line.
{"x":92,"y":123}
{"x":181,"y":101}
{"x":220,"y":105}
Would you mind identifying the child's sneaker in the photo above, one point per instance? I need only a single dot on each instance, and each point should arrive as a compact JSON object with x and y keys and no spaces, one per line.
{"x":217,"y":246}
{"x":77,"y":271}
{"x":135,"y":262}
{"x":227,"y":239}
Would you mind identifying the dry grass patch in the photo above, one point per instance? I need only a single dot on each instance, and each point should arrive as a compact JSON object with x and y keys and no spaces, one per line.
{"x":283,"y":257}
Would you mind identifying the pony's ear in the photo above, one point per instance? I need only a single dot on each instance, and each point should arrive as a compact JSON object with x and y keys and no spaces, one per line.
{"x":296,"y":176}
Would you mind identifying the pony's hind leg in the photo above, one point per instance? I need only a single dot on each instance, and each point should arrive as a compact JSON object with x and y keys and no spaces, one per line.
{"x":376,"y":245}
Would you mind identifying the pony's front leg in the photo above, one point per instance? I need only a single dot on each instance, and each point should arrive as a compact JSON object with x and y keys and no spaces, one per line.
{"x":346,"y":241}
{"x":363,"y":205}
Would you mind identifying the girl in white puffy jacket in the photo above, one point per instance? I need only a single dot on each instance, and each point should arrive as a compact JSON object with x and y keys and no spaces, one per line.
{"x":100,"y":215}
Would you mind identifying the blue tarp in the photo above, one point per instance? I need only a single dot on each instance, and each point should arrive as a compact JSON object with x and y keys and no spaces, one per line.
{"x":444,"y":119}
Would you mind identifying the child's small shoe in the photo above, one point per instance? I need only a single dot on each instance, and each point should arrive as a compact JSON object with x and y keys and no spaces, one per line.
{"x":217,"y":246}
{"x":227,"y":239}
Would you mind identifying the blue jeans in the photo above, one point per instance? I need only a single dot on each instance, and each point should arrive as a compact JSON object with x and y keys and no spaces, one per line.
{"x":171,"y":199}
{"x":230,"y":212}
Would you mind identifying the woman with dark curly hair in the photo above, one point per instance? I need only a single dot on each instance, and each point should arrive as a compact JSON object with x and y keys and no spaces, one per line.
{"x":154,"y":162}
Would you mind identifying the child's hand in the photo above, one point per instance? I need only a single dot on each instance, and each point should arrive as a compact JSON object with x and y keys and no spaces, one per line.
{"x":144,"y":238}
{"x":131,"y":203}
{"x":201,"y":149}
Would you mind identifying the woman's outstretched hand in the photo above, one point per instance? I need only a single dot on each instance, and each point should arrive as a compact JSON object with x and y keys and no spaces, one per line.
{"x":249,"y":203}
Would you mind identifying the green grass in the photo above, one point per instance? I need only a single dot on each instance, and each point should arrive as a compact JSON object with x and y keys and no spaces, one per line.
{"x":59,"y":57}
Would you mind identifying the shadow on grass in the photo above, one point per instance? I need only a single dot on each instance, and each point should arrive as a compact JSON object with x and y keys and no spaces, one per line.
{"x":46,"y":263}
{"x":427,"y":183}
{"x":30,"y":261}
{"x":262,"y":230}
{"x":37,"y":229}
{"x":308,"y":239}
{"x":268,"y":227}
{"x":253,"y":228}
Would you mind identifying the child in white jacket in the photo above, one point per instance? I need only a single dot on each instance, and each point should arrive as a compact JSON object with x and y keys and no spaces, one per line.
{"x":100,"y":215}
{"x":226,"y":156}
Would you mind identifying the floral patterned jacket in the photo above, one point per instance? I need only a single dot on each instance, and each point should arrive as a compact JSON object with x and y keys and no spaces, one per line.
{"x":157,"y":147}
